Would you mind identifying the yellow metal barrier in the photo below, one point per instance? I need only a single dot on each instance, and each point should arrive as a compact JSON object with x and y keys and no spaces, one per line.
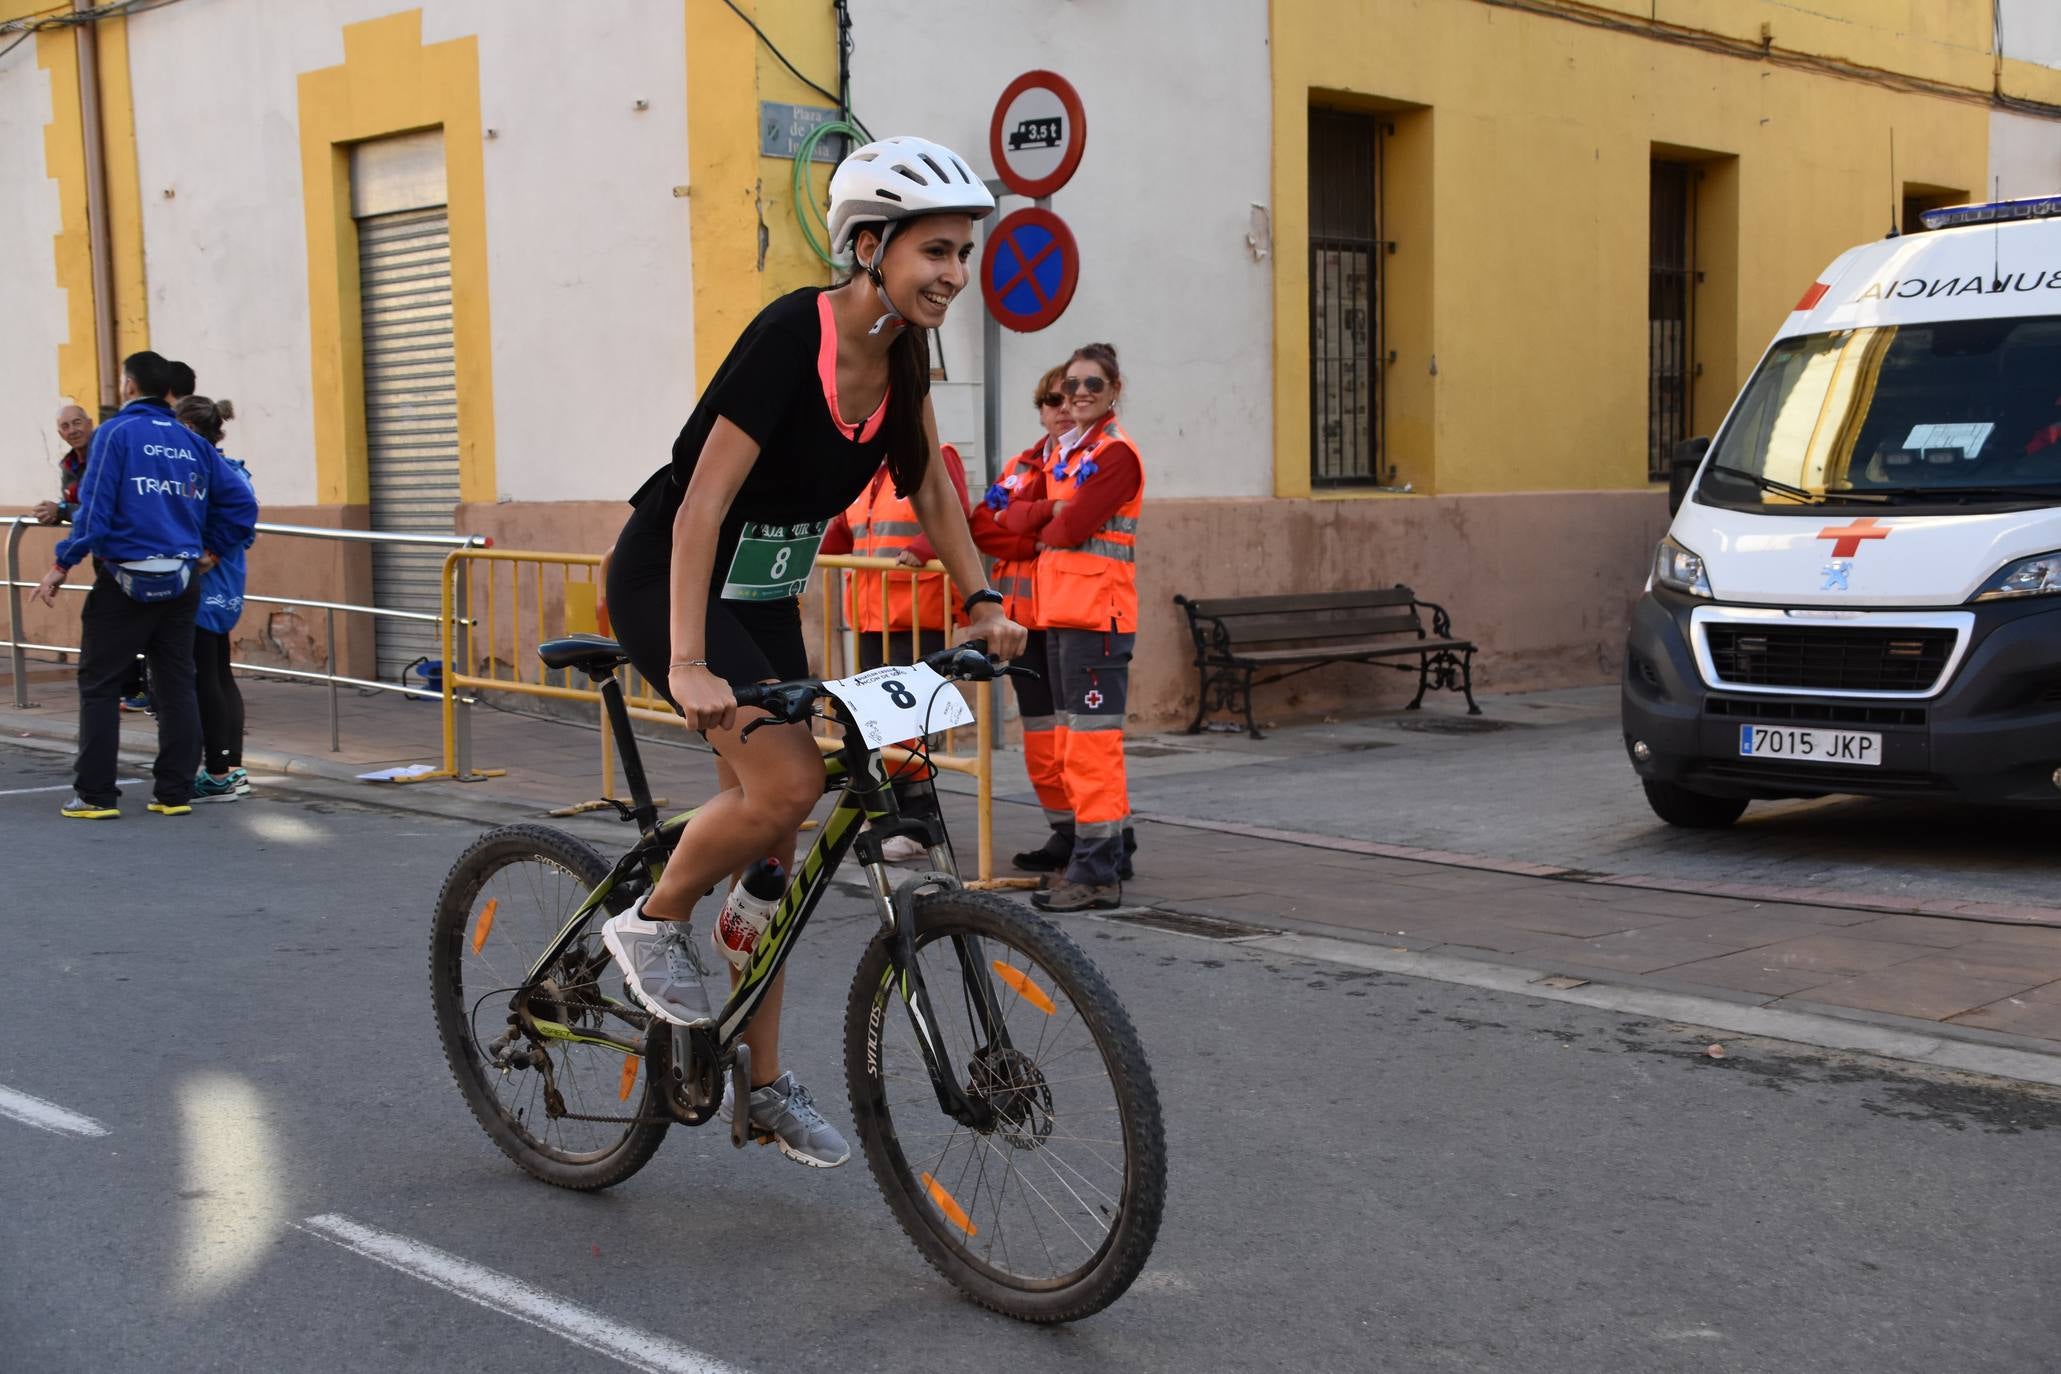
{"x":515,"y":599}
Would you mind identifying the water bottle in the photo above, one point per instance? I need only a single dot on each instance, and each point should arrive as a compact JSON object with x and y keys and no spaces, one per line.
{"x":749,"y":910}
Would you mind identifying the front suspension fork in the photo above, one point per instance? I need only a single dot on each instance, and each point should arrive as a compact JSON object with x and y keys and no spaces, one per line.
{"x":952,"y":1098}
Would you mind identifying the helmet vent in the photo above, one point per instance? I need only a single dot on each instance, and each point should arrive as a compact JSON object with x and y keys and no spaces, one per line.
{"x":906,"y":170}
{"x":886,"y":194}
{"x":931,"y":163}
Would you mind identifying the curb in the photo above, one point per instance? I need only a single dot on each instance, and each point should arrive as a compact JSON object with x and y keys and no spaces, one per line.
{"x":1932,"y":1045}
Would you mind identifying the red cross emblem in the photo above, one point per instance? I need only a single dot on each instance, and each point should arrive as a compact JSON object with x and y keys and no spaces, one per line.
{"x":1093,"y":700}
{"x":1848,"y":538}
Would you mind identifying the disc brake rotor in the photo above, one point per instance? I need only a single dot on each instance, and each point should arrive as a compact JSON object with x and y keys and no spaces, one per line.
{"x":1015,"y":1088}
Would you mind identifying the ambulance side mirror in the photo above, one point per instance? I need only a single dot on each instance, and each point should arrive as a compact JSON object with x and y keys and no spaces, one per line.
{"x":1681,"y":470}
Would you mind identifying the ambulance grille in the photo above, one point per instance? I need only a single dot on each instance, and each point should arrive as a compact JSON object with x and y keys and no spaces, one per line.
{"x":1813,"y":712}
{"x":1829,"y":658}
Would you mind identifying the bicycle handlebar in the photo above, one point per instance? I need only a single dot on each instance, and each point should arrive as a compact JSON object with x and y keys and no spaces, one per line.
{"x":788,"y":703}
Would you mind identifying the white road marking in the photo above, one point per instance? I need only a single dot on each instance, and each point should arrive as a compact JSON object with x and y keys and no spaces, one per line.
{"x":231,"y":1206}
{"x":34,"y":1111}
{"x":63,"y":787}
{"x":513,"y":1298}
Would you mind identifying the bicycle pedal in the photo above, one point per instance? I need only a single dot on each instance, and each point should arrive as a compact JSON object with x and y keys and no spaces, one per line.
{"x":740,"y":1095}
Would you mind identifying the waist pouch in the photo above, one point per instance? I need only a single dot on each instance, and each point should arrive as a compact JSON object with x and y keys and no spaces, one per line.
{"x":155,"y":579}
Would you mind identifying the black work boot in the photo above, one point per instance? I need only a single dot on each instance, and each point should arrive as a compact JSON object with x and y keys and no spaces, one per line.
{"x":1051,"y":857}
{"x":1124,"y":870}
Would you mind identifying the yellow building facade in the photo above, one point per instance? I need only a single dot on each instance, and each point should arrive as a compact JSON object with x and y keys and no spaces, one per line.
{"x":1520,"y":141}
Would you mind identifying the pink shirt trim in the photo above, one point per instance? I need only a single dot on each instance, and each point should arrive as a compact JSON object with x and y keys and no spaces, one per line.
{"x":826,"y":371}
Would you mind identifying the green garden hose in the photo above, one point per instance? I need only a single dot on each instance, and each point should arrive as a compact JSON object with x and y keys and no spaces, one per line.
{"x":806,"y":212}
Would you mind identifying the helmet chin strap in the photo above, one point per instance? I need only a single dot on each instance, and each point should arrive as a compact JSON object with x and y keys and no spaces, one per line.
{"x":893,"y":316}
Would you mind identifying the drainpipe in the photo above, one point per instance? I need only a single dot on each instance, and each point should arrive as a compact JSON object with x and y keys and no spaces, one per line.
{"x":96,"y":210}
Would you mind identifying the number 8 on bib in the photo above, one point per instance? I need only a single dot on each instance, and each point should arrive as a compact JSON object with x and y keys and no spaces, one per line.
{"x":772,"y":562}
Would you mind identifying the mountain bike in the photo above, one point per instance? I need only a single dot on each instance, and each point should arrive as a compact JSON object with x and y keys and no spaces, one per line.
{"x":999,"y":1091}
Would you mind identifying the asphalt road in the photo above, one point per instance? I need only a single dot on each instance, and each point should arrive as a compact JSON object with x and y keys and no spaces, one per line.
{"x":1367,"y":1172}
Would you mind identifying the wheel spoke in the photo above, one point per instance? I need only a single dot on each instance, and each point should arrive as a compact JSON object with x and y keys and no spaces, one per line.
{"x":1052,"y":1167}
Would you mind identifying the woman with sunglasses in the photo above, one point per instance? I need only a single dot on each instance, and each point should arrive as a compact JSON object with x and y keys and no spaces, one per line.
{"x":821,"y":389}
{"x":1086,"y":526}
{"x":1023,"y":481}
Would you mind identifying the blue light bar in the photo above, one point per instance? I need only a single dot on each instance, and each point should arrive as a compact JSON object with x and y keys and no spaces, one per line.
{"x":2036,"y":207}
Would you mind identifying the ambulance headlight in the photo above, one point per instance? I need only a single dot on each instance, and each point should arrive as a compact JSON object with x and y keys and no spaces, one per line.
{"x":2039,"y":575}
{"x":1677,"y":568}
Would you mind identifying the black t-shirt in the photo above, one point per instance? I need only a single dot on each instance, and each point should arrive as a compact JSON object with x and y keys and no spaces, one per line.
{"x":809,"y":467}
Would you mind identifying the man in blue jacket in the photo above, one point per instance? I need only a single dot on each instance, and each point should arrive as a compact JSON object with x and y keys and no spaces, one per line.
{"x":155,"y":499}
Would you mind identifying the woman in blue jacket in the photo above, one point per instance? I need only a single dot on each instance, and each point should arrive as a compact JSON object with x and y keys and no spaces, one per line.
{"x":221,"y":777}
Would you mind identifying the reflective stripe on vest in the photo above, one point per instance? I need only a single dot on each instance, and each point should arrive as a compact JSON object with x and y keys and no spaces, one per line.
{"x":1016,"y":579}
{"x":883,"y":525}
{"x":1095,"y":586}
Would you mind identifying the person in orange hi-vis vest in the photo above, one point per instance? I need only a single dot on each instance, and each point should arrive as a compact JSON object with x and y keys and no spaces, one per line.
{"x":1087,"y":597}
{"x":882,"y":524}
{"x":1022,"y":480}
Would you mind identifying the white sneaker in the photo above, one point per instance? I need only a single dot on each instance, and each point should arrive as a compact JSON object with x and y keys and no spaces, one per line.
{"x":783,"y":1113}
{"x":661,"y":965}
{"x":900,"y":849}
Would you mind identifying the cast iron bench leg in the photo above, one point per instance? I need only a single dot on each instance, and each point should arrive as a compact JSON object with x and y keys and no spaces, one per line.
{"x":1467,"y":683}
{"x":1423,"y":679}
{"x":1201,"y":699}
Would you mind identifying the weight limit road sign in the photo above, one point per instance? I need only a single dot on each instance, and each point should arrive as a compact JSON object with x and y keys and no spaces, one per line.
{"x":1028,"y":272}
{"x":1037,"y":134}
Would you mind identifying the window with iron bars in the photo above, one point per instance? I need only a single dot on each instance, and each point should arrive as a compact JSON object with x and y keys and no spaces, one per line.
{"x":1348,"y":355}
{"x":1670,"y":313}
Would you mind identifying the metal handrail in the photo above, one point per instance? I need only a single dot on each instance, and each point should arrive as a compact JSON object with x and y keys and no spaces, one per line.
{"x":19,"y":649}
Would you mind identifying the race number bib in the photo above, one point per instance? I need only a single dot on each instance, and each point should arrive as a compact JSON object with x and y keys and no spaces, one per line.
{"x":772,"y":562}
{"x":894,"y":704}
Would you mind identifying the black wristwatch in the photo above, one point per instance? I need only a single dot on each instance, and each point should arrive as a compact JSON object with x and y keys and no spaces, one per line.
{"x":985,"y":594}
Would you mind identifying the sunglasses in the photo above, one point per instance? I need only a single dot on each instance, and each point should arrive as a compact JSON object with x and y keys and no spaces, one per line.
{"x":1094,"y":385}
{"x":1051,"y":398}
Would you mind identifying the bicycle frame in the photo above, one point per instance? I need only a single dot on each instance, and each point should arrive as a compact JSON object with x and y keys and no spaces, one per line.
{"x":871,"y":801}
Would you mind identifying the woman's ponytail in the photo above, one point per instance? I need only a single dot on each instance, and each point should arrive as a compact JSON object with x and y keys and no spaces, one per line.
{"x":908,"y":383}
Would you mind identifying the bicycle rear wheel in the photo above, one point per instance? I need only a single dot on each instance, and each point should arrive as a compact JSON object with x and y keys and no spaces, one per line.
{"x":575,"y":1113}
{"x":1049,"y":1214}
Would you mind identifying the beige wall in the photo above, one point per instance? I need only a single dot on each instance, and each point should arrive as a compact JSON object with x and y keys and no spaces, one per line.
{"x":1543,"y":581}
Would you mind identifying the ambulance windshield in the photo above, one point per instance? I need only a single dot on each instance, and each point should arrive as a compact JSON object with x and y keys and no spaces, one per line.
{"x":1958,"y":412}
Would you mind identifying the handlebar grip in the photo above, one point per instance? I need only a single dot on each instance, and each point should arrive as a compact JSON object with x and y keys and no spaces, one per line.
{"x":752,"y":695}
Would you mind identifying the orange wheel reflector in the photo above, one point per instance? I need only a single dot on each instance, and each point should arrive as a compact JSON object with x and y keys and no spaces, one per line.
{"x":1025,"y":988}
{"x":629,"y":1077}
{"x":954,"y":1213}
{"x":484,"y":924}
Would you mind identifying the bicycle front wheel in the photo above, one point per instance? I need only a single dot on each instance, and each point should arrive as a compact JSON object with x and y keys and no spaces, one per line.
{"x":571,"y":1106}
{"x":1049,"y":1213}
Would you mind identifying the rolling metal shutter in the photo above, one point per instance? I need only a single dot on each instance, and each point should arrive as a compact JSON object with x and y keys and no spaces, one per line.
{"x":411,"y":396}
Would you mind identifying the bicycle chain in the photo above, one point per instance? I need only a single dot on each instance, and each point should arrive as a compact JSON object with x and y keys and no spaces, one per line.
{"x":617,"y":1120}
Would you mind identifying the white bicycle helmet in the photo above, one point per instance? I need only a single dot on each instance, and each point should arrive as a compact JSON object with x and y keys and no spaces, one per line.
{"x":900,"y":178}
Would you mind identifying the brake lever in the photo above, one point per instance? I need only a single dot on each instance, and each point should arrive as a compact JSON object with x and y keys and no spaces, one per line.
{"x":745,"y":734}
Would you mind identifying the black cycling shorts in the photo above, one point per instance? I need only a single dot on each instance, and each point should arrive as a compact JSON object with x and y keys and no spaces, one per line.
{"x":747,"y":641}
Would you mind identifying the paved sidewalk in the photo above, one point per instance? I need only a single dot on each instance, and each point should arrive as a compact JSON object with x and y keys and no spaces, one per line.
{"x":1541,"y":781}
{"x":1990,"y":981}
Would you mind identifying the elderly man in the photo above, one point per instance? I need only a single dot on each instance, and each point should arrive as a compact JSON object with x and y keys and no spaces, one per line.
{"x":75,"y":427}
{"x":157,"y":500}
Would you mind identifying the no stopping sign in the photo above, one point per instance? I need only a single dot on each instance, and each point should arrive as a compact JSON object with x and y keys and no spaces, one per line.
{"x":1028,"y":272}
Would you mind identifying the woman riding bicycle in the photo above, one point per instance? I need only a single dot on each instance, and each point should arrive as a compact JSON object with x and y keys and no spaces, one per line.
{"x":821,"y":388}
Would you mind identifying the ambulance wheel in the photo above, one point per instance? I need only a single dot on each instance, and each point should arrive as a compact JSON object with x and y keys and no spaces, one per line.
{"x":1692,"y":810}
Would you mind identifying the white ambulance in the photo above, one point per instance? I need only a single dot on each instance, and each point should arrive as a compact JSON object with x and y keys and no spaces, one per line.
{"x":1861,"y":591}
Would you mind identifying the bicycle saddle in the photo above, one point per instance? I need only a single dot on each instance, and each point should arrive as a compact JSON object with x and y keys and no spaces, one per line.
{"x":591,"y":654}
